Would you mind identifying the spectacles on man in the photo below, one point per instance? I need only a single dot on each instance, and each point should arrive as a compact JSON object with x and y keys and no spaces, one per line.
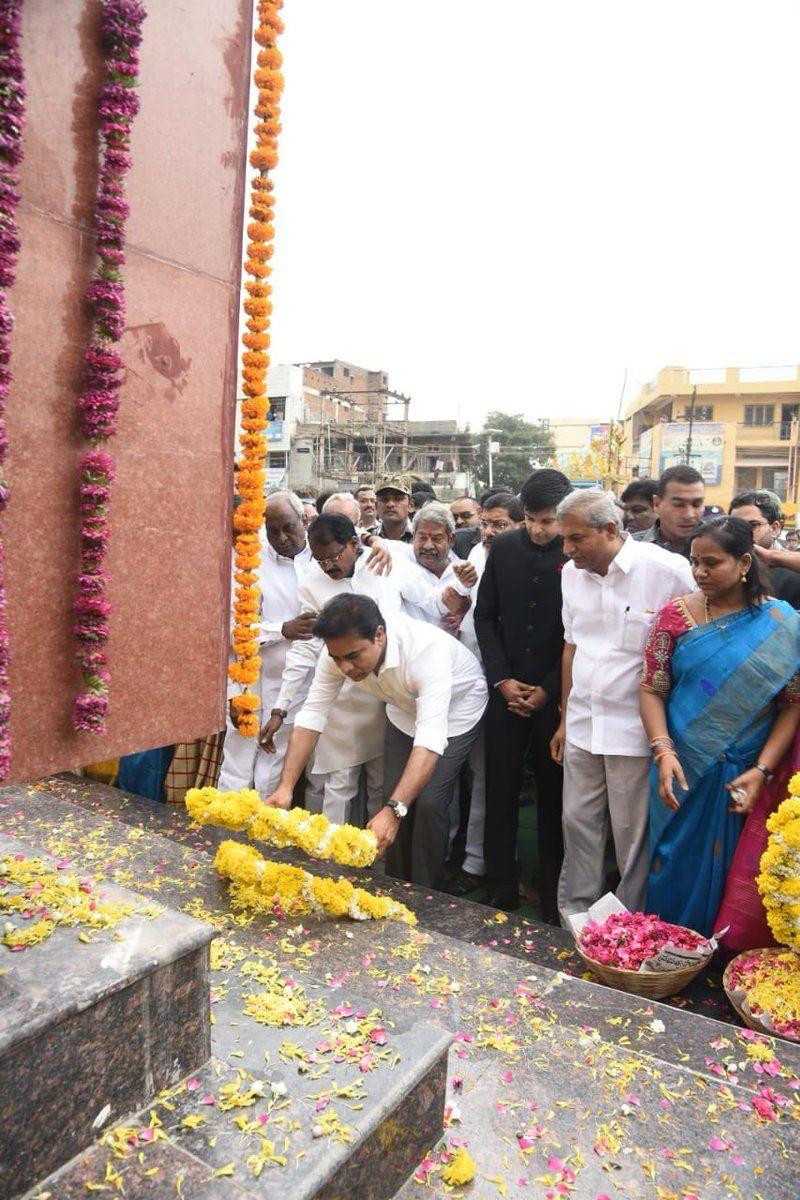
{"x":331,"y":562}
{"x":496,"y":526}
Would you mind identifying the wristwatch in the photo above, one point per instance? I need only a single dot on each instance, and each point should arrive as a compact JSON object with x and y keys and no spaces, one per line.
{"x":279,"y":712}
{"x":765,"y":771}
{"x":399,"y":810}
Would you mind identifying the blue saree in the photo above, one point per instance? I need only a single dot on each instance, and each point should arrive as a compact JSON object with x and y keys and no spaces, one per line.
{"x":726,"y":676}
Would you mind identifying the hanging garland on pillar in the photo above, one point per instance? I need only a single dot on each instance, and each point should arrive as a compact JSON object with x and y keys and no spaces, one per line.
{"x":251,"y":475}
{"x":121,"y":29}
{"x":12,"y":117}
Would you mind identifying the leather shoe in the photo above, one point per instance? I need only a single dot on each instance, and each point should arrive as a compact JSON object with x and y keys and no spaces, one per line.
{"x":464,"y":883}
{"x":506,"y":899}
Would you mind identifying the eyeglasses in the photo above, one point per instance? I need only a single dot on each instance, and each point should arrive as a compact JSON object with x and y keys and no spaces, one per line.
{"x":331,"y":562}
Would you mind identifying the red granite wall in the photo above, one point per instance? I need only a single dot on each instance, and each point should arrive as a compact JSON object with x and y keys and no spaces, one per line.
{"x":169,"y":556}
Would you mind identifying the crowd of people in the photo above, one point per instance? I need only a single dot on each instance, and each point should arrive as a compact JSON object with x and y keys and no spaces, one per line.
{"x":636,"y":661}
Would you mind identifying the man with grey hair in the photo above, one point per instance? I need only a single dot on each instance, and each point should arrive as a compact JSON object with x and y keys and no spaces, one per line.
{"x":285,"y":556}
{"x":346,"y":504}
{"x":433,"y":538}
{"x":612,"y":588}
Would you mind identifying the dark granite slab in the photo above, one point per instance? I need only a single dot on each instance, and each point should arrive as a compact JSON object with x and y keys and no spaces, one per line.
{"x":85,"y":1024}
{"x":559,"y":1127}
{"x":596,"y":1063}
{"x":61,"y":975}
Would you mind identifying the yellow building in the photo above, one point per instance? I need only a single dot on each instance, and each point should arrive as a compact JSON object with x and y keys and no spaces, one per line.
{"x":737,"y":425}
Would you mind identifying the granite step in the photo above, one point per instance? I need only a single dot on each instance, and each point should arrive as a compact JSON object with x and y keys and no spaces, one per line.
{"x":387,"y":1113}
{"x":85,"y":1024}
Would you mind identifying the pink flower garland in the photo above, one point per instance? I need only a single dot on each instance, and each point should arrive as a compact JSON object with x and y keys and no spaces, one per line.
{"x":626,"y":940}
{"x":12,"y":117}
{"x":97,"y":405}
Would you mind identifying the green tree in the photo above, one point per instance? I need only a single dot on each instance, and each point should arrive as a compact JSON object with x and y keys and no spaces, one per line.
{"x":522,"y":443}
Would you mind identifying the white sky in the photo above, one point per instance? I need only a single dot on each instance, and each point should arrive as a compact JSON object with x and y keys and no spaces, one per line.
{"x":506,"y":204}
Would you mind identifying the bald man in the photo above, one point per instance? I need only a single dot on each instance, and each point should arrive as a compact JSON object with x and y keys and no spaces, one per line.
{"x":284,"y":558}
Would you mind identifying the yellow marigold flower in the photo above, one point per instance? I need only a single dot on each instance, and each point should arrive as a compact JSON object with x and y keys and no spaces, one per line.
{"x":459,"y":1170}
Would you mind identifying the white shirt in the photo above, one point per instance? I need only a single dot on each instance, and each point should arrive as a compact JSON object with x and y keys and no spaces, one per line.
{"x":607,"y":618}
{"x":477,"y":556}
{"x":433,"y":686}
{"x":430,"y":585}
{"x":354,"y":732}
{"x":278,"y":579}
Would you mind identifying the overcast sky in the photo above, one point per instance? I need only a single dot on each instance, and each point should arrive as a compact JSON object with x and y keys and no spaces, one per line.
{"x":507,"y":204}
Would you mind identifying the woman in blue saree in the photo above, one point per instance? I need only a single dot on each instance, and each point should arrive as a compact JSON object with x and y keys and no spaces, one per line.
{"x":719,"y":701}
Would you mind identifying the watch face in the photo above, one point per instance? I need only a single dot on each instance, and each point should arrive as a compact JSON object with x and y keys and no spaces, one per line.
{"x":400,"y":809}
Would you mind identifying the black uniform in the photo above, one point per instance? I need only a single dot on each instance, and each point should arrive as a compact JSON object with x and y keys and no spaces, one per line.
{"x":519,"y":630}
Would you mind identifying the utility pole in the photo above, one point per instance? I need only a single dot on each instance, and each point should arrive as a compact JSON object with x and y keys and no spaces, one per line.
{"x":691,"y":427}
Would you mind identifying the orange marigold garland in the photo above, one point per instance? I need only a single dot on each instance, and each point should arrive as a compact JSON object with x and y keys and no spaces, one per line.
{"x":251,"y":474}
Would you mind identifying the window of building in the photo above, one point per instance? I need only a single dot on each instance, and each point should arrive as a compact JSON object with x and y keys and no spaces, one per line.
{"x":702,"y":412}
{"x":277,"y":458}
{"x":789,"y":413}
{"x":776,"y":479}
{"x":277,"y":408}
{"x":759,"y":414}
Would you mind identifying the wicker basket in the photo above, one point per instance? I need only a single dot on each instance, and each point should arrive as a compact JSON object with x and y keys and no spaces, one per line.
{"x":653,"y":984}
{"x":752,"y":1022}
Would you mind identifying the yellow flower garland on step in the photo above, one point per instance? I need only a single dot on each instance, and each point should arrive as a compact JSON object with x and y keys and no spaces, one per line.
{"x":312,"y":832}
{"x":266,"y":886}
{"x":779,"y":878}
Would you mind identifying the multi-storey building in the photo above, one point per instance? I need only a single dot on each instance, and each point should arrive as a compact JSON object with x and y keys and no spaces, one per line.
{"x":737,"y":425}
{"x":335,"y":425}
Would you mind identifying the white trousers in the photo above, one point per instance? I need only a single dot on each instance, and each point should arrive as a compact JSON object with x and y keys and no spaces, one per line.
{"x":602,"y":792}
{"x":335,"y":794}
{"x":246,"y":765}
{"x":473,"y":855}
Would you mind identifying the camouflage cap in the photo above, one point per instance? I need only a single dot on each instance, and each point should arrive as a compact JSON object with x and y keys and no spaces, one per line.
{"x":394,"y":483}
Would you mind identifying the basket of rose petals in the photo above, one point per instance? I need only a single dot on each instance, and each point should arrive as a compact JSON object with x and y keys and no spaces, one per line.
{"x":638,"y":952}
{"x":764,"y":988}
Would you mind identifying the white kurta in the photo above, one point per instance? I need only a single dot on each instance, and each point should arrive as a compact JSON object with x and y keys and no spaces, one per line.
{"x":354,"y":734}
{"x":278,"y":579}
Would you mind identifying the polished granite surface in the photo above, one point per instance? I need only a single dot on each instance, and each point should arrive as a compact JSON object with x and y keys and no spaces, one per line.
{"x":613,"y":1095}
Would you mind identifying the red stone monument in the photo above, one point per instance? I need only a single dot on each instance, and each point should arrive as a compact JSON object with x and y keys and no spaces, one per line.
{"x":171,"y":512}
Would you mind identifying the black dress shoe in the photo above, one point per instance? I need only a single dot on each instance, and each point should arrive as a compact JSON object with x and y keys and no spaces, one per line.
{"x":464,"y":883}
{"x":507,"y":899}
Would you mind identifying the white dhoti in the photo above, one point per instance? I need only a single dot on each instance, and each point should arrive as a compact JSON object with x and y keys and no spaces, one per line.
{"x":244,"y":763}
{"x":353,"y":739}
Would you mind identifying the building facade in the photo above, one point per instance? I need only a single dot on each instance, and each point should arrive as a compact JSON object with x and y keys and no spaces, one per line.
{"x":738,"y":426}
{"x":335,"y":425}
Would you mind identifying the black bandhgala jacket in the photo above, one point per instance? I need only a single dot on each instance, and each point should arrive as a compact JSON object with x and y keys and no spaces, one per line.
{"x":518,"y":612}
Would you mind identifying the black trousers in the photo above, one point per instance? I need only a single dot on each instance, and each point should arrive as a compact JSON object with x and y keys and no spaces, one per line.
{"x":509,"y":741}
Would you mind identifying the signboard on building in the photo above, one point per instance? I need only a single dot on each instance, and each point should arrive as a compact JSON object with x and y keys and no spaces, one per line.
{"x":276,"y":477}
{"x":645,"y":453}
{"x":275,"y":431}
{"x":704,"y":454}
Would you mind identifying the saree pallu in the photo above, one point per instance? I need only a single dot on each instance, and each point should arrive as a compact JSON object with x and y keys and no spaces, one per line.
{"x":742,"y":909}
{"x":726,"y":675}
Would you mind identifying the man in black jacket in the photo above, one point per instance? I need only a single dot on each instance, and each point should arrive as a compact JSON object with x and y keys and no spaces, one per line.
{"x":521,"y":637}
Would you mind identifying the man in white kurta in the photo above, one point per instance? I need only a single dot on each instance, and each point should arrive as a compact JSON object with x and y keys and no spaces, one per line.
{"x":284,"y":557}
{"x":354,"y":734}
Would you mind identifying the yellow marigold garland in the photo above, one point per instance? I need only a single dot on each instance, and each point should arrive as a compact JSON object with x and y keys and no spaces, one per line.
{"x":251,"y":475}
{"x":312,"y":832}
{"x":263,"y":886}
{"x":779,"y":878}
